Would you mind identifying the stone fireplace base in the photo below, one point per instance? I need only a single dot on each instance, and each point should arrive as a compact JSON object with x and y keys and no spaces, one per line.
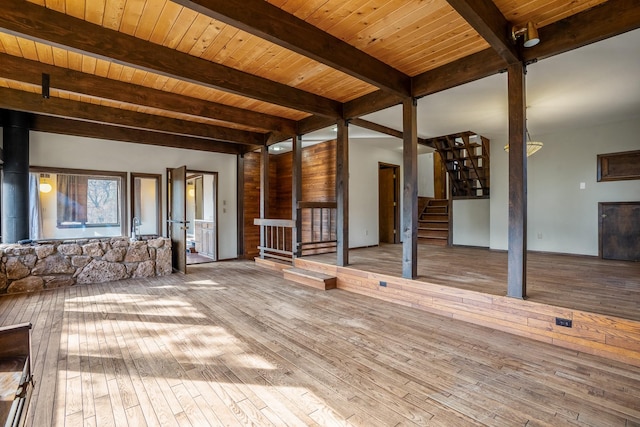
{"x":53,"y":264}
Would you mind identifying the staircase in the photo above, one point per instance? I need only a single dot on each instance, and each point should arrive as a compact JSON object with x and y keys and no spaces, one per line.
{"x":433,"y":223}
{"x":466,"y":158}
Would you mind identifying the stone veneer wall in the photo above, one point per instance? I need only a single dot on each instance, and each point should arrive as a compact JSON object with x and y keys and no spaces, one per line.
{"x":53,"y":264}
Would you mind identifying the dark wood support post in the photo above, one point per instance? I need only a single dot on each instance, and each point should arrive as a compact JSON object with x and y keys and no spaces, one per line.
{"x":410,"y":190}
{"x":296,"y":194}
{"x":264,"y":193}
{"x":342,"y":192}
{"x":517,"y":264}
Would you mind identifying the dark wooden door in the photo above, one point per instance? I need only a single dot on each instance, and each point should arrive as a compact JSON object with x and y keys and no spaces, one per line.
{"x":388,"y":203}
{"x":178,"y":217}
{"x":620,"y":230}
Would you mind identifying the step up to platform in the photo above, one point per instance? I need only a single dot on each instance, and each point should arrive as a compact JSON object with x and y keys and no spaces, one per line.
{"x":310,"y":278}
{"x":271,"y":264}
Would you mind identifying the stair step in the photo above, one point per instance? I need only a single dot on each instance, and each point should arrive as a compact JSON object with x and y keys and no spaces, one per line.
{"x":271,"y":264}
{"x":442,"y":233}
{"x":438,"y":202}
{"x":441,"y":217}
{"x":310,"y":278}
{"x":433,"y":242}
{"x":435,"y":209}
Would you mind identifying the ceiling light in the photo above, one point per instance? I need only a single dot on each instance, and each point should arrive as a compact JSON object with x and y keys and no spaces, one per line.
{"x":529,"y":32}
{"x":277,"y":148}
{"x":532,"y":146}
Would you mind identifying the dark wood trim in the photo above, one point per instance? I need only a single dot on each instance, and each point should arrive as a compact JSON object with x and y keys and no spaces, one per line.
{"x":517,"y":256}
{"x":410,"y":190}
{"x":33,"y":103}
{"x":342,"y":193}
{"x":271,"y":23}
{"x":158,"y":178}
{"x":296,"y":193}
{"x":632,"y":158}
{"x":396,"y":211}
{"x":34,"y":22}
{"x":64,"y":126}
{"x":124,"y":223}
{"x":28,"y":71}
{"x":490,"y":23}
{"x":323,"y":205}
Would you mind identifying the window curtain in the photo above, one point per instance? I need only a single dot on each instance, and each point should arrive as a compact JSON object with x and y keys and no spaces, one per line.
{"x":72,"y":198}
{"x":35,"y":219}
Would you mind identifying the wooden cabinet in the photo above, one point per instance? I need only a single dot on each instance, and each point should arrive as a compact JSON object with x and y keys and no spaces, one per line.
{"x":205,"y":237}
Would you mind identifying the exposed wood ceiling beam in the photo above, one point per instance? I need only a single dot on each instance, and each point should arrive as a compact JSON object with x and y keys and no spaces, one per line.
{"x":33,"y":103}
{"x":33,"y":22}
{"x":64,"y":126}
{"x":271,"y":23}
{"x":606,"y":20}
{"x":370,"y":103}
{"x":386,"y":130}
{"x":485,"y":17}
{"x":27,"y":71}
{"x":474,"y":67}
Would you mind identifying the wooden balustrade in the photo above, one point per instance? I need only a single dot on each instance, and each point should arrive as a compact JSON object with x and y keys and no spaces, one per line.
{"x":318,"y":232}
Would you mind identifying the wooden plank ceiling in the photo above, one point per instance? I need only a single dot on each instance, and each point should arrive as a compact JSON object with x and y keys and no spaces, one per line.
{"x":235,"y":74}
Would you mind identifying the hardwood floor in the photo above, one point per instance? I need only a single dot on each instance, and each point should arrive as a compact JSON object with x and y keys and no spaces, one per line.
{"x":235,"y":344}
{"x":576,"y":282}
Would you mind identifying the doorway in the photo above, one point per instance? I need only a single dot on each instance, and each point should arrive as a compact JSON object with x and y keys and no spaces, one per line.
{"x":388,"y":203}
{"x":619,"y":230}
{"x":201,"y":213}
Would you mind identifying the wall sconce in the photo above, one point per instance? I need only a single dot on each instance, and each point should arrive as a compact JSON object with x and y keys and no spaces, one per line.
{"x":45,"y":187}
{"x":529,"y":32}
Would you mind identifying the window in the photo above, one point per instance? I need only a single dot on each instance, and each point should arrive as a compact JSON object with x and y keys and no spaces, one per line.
{"x":71,"y":203}
{"x":145,"y":204}
{"x":87,"y":201}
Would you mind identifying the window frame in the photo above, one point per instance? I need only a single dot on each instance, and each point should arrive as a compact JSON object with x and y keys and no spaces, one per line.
{"x":132,"y":200}
{"x":90,"y":173}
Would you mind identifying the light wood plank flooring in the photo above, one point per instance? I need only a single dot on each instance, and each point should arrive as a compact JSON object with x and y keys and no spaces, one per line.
{"x":234,"y":344}
{"x":577,"y":282}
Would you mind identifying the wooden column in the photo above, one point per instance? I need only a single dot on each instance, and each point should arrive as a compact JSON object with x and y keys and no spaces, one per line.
{"x":264,"y":192}
{"x":410,"y":190}
{"x":517,"y":264}
{"x":342,"y":192}
{"x":296,"y":193}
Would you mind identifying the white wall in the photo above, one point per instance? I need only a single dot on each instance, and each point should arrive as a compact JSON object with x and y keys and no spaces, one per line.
{"x":562,"y":217}
{"x":425,"y":175}
{"x":471,"y":222}
{"x":84,"y":153}
{"x":363,"y":189}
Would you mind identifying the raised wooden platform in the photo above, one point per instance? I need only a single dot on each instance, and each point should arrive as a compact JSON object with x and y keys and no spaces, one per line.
{"x":310,"y":278}
{"x":591,"y":331}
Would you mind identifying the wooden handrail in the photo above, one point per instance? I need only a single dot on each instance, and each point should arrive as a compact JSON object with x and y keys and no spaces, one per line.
{"x":274,"y":222}
{"x":311,"y":205}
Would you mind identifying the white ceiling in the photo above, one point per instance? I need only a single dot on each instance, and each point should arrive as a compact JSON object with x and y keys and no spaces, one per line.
{"x":598,"y":83}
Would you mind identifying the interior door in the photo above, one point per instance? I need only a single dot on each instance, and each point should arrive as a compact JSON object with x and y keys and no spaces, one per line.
{"x":387,"y":203}
{"x":177,"y":215}
{"x":620,"y":230}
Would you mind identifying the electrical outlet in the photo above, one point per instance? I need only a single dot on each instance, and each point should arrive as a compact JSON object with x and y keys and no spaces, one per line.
{"x":567,"y":323}
{"x":383,"y":284}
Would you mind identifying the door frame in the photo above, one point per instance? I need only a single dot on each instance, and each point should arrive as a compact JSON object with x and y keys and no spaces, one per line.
{"x":216,"y":205}
{"x":178,"y":251}
{"x":396,"y":198}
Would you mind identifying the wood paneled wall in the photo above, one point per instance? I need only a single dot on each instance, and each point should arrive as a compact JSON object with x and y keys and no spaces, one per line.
{"x":318,"y":185}
{"x":251,"y":204}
